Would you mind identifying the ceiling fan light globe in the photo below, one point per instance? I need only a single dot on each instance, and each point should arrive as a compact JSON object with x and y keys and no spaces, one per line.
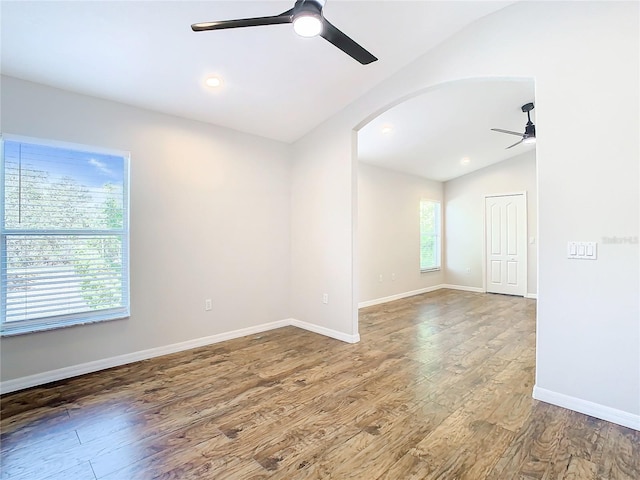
{"x":307,"y":25}
{"x":529,"y":140}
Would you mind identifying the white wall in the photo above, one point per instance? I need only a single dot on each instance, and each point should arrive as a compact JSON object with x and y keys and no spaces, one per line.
{"x":322,"y":224}
{"x":584,"y":57}
{"x":210,"y":218}
{"x":389,"y":232}
{"x":464,"y":226}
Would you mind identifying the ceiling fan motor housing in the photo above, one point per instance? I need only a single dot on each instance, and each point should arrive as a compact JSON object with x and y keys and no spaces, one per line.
{"x":313,"y":7}
{"x":530,"y":130}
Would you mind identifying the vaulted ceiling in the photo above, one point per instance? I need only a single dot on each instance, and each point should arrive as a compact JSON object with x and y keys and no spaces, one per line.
{"x":274,"y":83}
{"x":446,"y":132}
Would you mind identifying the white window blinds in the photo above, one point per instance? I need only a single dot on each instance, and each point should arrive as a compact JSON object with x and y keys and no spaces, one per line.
{"x":64,"y":236}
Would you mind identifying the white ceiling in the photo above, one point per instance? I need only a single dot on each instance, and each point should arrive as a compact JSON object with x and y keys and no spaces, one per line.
{"x":432,"y":132}
{"x":276,"y":84}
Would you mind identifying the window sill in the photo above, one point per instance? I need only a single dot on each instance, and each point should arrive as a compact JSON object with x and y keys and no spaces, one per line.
{"x":427,"y":270}
{"x":9,"y":330}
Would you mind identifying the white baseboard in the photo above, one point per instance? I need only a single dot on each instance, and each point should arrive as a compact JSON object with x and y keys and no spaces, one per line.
{"x":602,"y":412}
{"x":89,"y":367}
{"x":463,"y":288}
{"x":398,"y":296}
{"x":327,"y":332}
{"x":534,"y":296}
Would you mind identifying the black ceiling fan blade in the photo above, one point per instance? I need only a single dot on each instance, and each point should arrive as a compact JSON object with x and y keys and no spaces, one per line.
{"x":346,"y":44}
{"x":517,"y":143}
{"x":507,"y":131}
{"x":285,"y":17}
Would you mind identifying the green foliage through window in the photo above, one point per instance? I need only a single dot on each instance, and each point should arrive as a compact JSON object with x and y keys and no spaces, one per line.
{"x":64,"y":236}
{"x":430,"y":241}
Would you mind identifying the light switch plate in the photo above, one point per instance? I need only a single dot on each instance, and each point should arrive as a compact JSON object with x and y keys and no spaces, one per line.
{"x":582,"y":250}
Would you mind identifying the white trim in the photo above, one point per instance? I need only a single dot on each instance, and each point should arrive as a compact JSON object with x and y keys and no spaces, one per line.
{"x":602,"y":412}
{"x":512,"y":194}
{"x":94,"y":366}
{"x":463,"y":288}
{"x":398,"y":296}
{"x":62,"y":144}
{"x":531,"y":295}
{"x":355,"y":255}
{"x":327,"y":332}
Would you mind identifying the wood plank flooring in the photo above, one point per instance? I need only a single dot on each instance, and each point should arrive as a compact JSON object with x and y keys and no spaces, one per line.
{"x":438,"y":388}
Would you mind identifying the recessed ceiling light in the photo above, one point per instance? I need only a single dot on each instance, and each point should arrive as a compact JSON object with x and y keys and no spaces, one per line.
{"x":386,"y":129}
{"x":213,"y":82}
{"x":465,"y":161}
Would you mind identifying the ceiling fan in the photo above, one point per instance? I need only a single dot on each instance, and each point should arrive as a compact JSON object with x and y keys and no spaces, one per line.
{"x":308,"y":21}
{"x":529,"y":135}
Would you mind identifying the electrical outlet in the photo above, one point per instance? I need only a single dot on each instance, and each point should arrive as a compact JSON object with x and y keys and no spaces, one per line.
{"x":207,"y":304}
{"x":380,"y":278}
{"x":325,"y":298}
{"x":393,"y":277}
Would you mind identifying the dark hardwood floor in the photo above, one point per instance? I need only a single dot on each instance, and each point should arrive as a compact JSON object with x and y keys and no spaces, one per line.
{"x":439,"y":387}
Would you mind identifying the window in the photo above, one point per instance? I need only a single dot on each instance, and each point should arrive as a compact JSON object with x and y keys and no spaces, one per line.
{"x":430,"y":239}
{"x":64,"y":235}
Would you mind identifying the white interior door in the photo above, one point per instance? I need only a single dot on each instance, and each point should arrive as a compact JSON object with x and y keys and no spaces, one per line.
{"x":506,"y":244}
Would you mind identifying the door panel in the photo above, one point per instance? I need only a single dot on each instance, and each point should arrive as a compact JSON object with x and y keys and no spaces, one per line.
{"x":512,"y":273}
{"x":506,"y":230}
{"x":512,"y":228}
{"x":495,"y":272}
{"x":496,"y":235}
